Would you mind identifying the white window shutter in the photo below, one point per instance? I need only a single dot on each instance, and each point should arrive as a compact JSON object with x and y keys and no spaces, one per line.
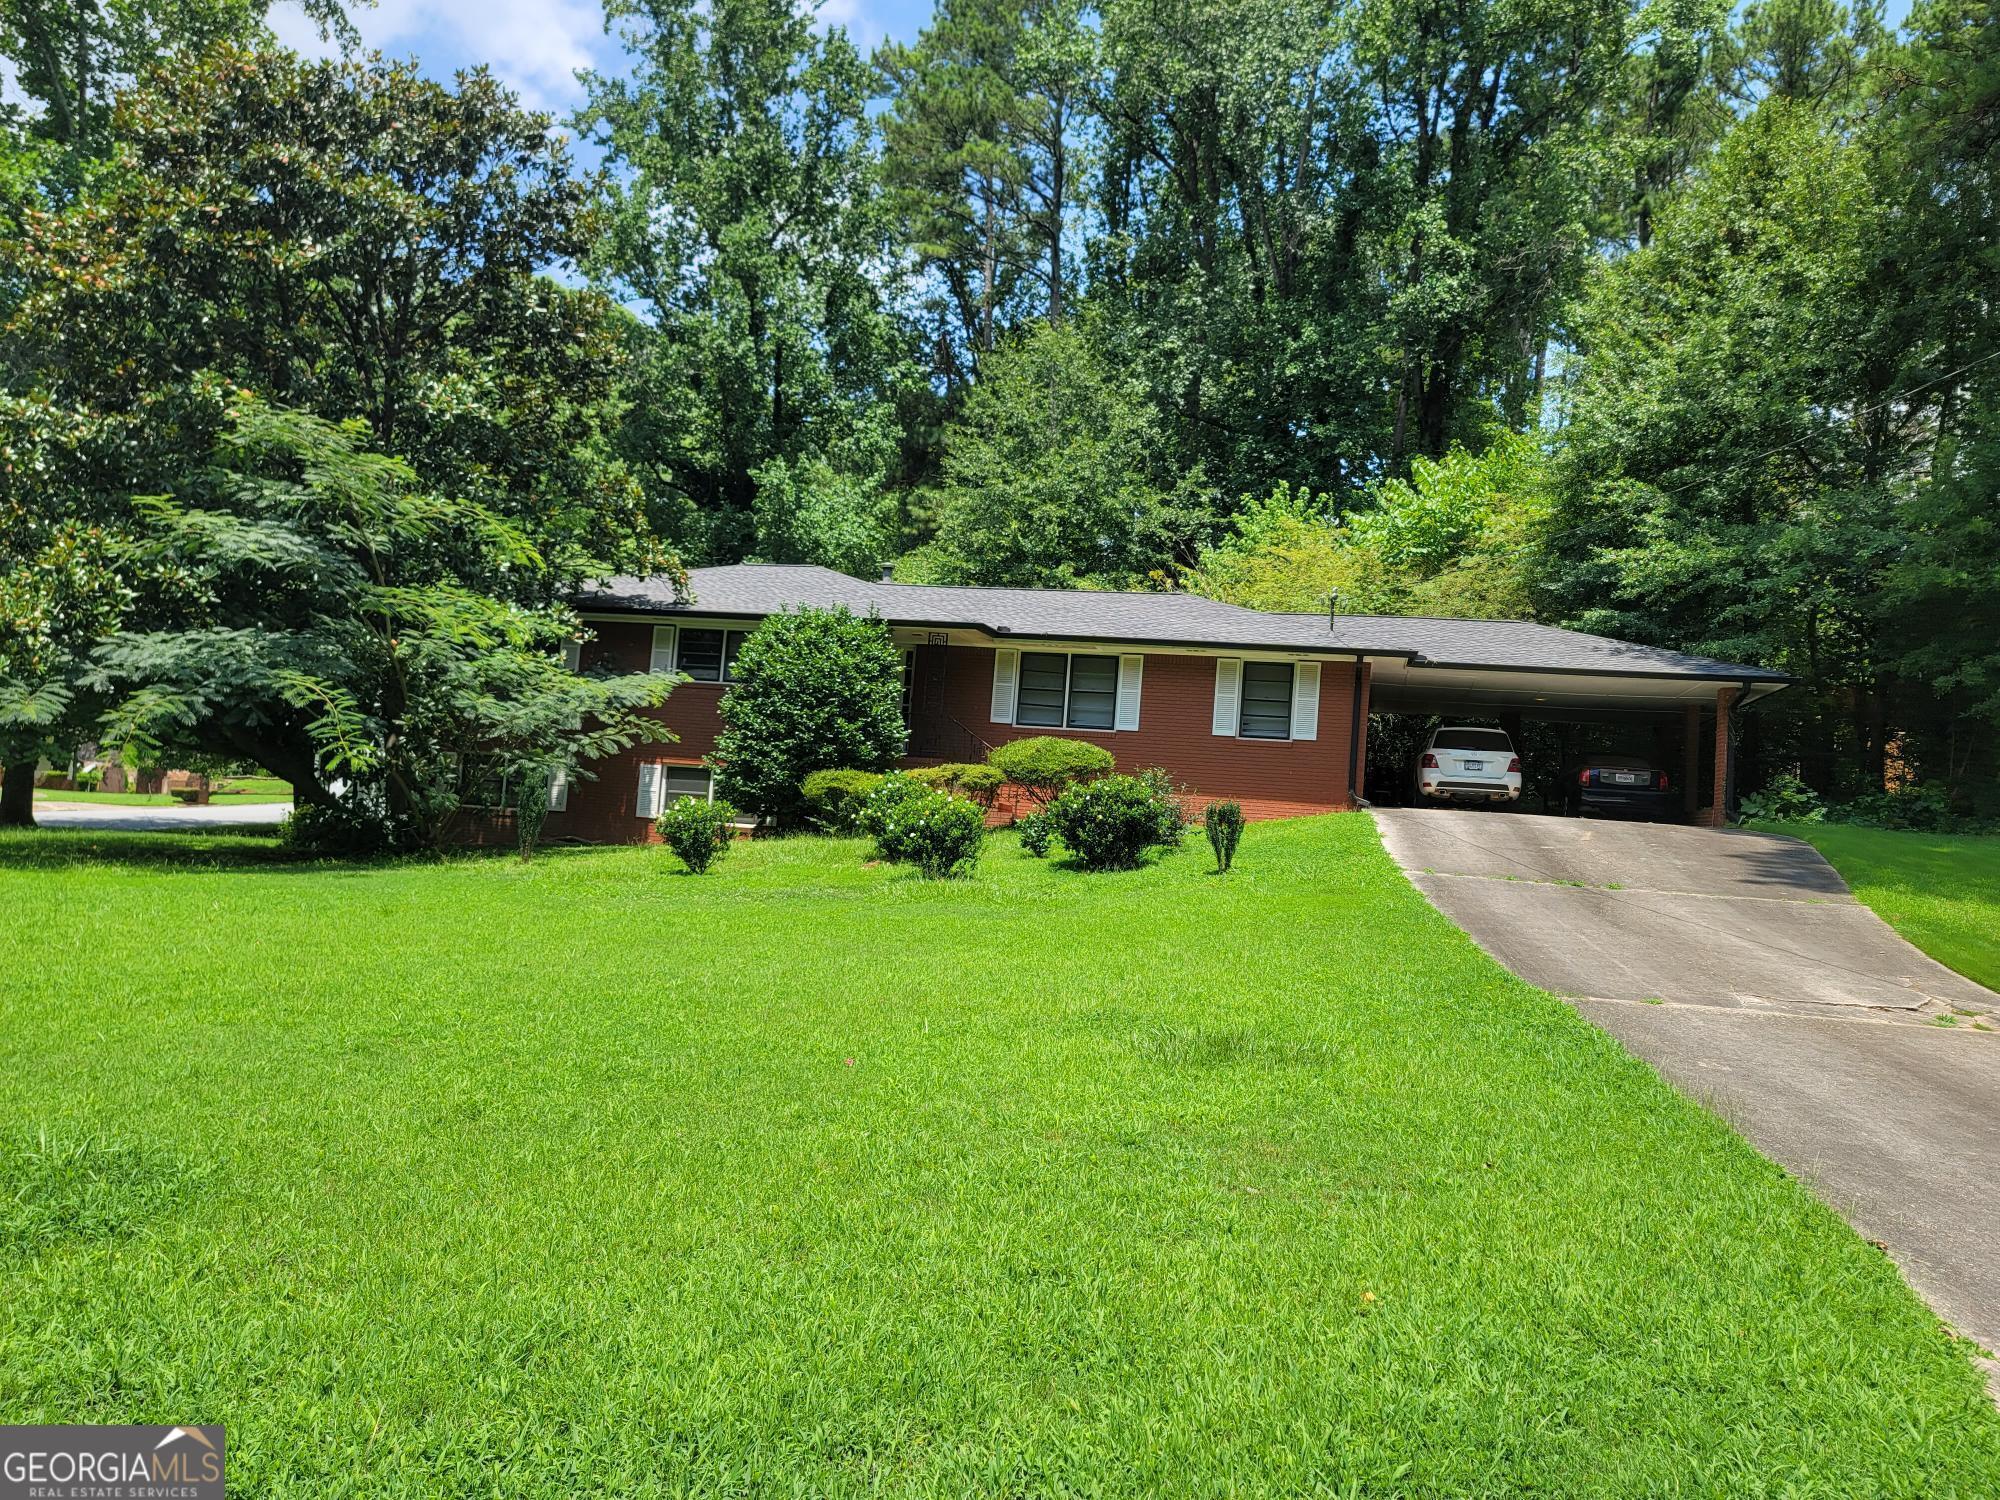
{"x":1006,"y":683}
{"x":649,"y":789}
{"x":1228,"y":694}
{"x":1305,"y":701}
{"x":572,"y":656}
{"x":1130,"y":670}
{"x":663,"y":649}
{"x":558,"y":789}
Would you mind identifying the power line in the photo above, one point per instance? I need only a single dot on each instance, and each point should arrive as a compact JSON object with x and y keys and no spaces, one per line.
{"x":1866,"y":411}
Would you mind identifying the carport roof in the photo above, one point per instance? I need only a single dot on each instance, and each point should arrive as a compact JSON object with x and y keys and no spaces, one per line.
{"x":751,"y":590}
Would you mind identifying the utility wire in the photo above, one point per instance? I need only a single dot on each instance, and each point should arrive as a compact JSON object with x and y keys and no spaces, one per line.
{"x":1866,"y":411}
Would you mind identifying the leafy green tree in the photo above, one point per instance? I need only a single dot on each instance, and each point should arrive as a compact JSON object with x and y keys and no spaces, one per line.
{"x":355,"y":241}
{"x":746,"y":223}
{"x":1934,"y":139}
{"x":71,"y":57}
{"x":1734,"y":466}
{"x":319,"y":613}
{"x":981,"y":150}
{"x":62,"y":586}
{"x":1459,"y":537}
{"x":812,"y":690}
{"x":1053,"y":474}
{"x":347,"y":238}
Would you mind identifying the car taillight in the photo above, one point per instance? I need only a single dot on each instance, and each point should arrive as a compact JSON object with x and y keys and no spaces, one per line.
{"x":1429,"y":762}
{"x":1660,"y":780}
{"x":1514,"y":766}
{"x":1585,"y":776}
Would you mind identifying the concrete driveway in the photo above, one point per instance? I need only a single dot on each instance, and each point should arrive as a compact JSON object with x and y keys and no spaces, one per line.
{"x":113,"y":817}
{"x":1739,"y":965}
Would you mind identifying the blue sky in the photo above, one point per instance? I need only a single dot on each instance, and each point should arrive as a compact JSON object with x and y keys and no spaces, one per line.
{"x":537,"y":45}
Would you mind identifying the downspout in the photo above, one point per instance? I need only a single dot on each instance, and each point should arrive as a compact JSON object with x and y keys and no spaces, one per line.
{"x":1354,"y":733}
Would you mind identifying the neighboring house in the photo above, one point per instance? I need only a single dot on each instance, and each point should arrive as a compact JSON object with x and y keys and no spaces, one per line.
{"x":1268,"y":709}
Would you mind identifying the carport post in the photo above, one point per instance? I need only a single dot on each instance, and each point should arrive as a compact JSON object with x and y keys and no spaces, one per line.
{"x":1717,"y":814}
{"x":1690,"y":760}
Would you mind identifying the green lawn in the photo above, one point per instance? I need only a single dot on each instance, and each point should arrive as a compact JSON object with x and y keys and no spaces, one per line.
{"x":808,"y":1178}
{"x":235,"y":789}
{"x":1940,"y":892}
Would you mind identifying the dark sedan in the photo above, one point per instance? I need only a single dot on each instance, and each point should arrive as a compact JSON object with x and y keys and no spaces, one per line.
{"x":1618,"y":783}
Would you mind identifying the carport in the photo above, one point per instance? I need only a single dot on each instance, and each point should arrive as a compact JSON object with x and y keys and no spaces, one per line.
{"x":1509,"y":671}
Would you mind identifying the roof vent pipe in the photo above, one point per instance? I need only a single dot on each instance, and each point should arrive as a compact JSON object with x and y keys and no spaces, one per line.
{"x":1333,"y":610}
{"x":888,"y":572}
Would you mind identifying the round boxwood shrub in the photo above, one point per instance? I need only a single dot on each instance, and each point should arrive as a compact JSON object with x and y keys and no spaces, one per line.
{"x":914,"y":824}
{"x":811,"y":689}
{"x":697,"y":831}
{"x":1110,"y":823}
{"x":969,"y":779}
{"x":1043,"y":765}
{"x":834,"y":798}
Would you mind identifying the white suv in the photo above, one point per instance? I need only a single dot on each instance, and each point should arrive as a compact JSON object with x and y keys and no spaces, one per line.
{"x":1461,"y":764}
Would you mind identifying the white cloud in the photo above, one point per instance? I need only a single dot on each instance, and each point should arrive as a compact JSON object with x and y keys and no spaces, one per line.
{"x":535,"y":46}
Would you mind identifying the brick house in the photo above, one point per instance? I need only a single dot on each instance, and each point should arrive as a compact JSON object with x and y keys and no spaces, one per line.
{"x":1268,"y":709}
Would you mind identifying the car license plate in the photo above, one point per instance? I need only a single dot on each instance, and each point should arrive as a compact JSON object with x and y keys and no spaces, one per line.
{"x":1475,"y":765}
{"x":1625,"y":778}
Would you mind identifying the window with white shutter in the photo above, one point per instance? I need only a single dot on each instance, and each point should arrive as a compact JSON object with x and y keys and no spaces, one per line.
{"x":663,"y":649}
{"x":1006,"y":682}
{"x":1305,"y":701}
{"x":572,"y":656}
{"x":1130,"y":670}
{"x":1267,"y":701}
{"x":558,"y":789}
{"x":649,"y":790}
{"x":1228,"y":695}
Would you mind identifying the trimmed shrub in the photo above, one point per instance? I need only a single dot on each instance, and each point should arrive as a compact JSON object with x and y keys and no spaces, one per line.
{"x":1037,"y":833}
{"x":1110,"y":823}
{"x":1785,"y":798}
{"x":1224,"y":823}
{"x":531,"y":810}
{"x":811,"y":690}
{"x":697,"y":831}
{"x":834,"y":799}
{"x":331,"y":831}
{"x":914,"y":824}
{"x":969,"y":779}
{"x":1044,"y":765}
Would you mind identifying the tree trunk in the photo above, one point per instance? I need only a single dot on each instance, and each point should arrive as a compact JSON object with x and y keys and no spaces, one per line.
{"x":17,"y":796}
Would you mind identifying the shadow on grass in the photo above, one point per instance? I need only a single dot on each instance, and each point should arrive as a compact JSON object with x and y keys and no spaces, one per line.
{"x":242,"y":848}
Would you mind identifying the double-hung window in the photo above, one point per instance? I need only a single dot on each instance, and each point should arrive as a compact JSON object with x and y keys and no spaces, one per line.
{"x":708,"y":655}
{"x":1267,"y":701}
{"x":1063,"y":691}
{"x":661,"y":785}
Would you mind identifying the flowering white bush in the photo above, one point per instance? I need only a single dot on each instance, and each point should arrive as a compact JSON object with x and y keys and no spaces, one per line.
{"x":914,"y":824}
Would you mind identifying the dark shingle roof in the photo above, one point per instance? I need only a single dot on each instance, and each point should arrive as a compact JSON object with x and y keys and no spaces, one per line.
{"x":755,"y":589}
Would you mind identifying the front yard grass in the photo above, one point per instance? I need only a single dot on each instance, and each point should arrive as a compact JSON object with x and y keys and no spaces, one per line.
{"x":1940,"y":891}
{"x":810,"y":1178}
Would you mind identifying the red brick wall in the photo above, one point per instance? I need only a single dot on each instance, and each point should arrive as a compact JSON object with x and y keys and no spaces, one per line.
{"x":1271,"y":778}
